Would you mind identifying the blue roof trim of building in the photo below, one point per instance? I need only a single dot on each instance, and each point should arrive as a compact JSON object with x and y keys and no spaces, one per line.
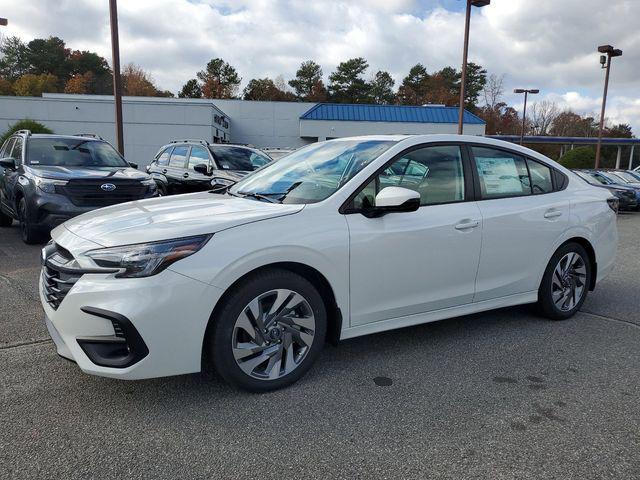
{"x":362,"y":112}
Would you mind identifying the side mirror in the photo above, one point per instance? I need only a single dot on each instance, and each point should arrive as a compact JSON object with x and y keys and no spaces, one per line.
{"x":221,"y":184}
{"x":394,"y":200}
{"x":202,"y":168}
{"x":133,"y":165}
{"x":9,"y":163}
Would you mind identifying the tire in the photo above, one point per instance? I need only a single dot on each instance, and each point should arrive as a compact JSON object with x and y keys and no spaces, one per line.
{"x":565,"y":283}
{"x":5,"y":220}
{"x":28,"y":232}
{"x":162,"y":190}
{"x":297,"y":342}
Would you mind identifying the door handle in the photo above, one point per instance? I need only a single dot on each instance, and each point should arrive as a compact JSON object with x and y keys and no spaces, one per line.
{"x":467,"y":225}
{"x":185,"y":175}
{"x":552,"y":213}
{"x":164,"y":170}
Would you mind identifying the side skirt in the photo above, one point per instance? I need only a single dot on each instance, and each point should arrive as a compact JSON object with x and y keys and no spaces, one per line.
{"x":442,"y":314}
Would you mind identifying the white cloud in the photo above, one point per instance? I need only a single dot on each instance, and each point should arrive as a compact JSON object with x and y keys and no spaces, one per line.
{"x":547,"y":44}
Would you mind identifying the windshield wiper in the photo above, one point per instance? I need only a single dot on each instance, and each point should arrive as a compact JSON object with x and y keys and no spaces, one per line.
{"x":257,"y":196}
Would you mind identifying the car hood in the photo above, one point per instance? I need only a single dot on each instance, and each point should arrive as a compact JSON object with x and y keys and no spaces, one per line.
{"x":171,"y":217}
{"x":102,"y":173}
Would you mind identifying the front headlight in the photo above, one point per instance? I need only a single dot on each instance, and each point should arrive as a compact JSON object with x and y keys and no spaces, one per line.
{"x":146,"y":259}
{"x":48,"y":185}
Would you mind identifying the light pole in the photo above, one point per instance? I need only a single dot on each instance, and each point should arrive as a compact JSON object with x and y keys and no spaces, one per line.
{"x":465,"y":52}
{"x":605,"y":62}
{"x":117,"y":83}
{"x":526,"y":92}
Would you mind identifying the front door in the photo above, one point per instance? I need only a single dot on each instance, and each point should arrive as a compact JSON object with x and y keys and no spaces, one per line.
{"x":196,"y":181}
{"x":410,"y":263}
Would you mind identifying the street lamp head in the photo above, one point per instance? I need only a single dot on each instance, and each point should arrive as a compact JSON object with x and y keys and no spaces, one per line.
{"x":605,"y":48}
{"x":534,"y":90}
{"x":524,"y":90}
{"x":480,"y":3}
{"x":519,"y":90}
{"x":616,"y":53}
{"x":3,"y":22}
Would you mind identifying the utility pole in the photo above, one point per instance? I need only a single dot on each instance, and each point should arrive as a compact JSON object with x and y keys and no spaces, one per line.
{"x":605,"y":62}
{"x":526,"y":92}
{"x":465,"y":53}
{"x":117,"y":81}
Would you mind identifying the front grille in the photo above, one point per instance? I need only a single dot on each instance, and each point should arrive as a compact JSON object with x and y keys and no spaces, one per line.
{"x":56,"y":279}
{"x":89,"y":193}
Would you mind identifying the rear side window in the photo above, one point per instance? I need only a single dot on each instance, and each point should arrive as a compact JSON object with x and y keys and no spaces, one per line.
{"x":540,"y":177}
{"x":501,"y":173}
{"x":179,"y":157}
{"x":163,"y":158}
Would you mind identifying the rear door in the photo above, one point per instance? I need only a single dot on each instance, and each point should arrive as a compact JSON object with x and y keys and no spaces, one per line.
{"x":177,"y":171}
{"x":523,"y":216}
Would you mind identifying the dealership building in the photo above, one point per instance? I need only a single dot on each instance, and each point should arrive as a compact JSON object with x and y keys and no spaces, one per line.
{"x":150,"y":122}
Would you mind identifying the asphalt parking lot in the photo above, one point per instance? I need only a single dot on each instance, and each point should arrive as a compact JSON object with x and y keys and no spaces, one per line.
{"x":498,"y":395}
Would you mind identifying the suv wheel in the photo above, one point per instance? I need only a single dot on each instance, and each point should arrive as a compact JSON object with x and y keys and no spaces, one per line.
{"x":268,"y":332}
{"x":565,"y":282}
{"x":5,"y":220}
{"x":29,"y":233}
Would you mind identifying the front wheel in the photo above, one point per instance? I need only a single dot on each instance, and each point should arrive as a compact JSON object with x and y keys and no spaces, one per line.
{"x":269,"y":331}
{"x":28,"y":232}
{"x":5,"y":220}
{"x":565,"y":282}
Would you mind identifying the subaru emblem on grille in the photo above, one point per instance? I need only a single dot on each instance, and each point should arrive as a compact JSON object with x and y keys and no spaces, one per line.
{"x":108,"y":187}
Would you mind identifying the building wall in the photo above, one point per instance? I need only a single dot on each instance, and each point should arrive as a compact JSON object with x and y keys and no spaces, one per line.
{"x":323,"y":129}
{"x":265,"y":124}
{"x":149,"y":123}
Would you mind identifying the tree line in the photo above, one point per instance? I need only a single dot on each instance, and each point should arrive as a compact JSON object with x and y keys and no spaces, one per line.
{"x":47,"y":65}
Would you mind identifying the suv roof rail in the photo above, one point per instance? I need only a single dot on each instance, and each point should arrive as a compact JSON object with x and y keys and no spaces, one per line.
{"x":196,"y":140}
{"x":91,"y":135}
{"x":23,"y":132}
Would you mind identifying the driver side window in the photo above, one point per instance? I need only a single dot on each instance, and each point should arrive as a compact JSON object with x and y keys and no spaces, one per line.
{"x":436,"y":173}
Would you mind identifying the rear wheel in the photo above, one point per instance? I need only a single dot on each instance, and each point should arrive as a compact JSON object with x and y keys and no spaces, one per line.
{"x":269,"y":331}
{"x":5,"y":220}
{"x":162,"y":190}
{"x":30,"y":234}
{"x":565,"y":283}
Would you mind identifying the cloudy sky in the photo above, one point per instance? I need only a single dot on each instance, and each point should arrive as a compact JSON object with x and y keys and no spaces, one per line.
{"x":546,"y":44}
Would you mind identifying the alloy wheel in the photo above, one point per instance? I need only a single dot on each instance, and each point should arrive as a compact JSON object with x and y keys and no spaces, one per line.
{"x":273,"y":334}
{"x":568,"y":283}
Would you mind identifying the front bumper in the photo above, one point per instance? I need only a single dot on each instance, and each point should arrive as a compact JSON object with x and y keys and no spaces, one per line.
{"x":48,"y":210}
{"x":168,"y":311}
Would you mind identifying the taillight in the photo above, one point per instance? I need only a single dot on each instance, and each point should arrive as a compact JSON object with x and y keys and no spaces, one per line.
{"x":613,"y":203}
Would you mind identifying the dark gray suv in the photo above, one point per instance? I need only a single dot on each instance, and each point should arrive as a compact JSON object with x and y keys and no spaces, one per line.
{"x":47,"y":179}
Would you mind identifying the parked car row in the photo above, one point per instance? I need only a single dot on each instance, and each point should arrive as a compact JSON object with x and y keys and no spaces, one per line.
{"x":624,"y":184}
{"x":47,"y":179}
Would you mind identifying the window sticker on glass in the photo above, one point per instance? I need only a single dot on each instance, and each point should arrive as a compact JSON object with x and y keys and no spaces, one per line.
{"x":500,"y":175}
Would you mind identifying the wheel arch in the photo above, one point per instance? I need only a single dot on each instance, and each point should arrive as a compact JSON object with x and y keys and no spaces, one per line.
{"x":586,"y":244}
{"x":317,"y":279}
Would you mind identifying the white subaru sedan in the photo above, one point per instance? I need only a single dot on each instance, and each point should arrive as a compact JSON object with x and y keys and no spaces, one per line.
{"x":339,"y":239}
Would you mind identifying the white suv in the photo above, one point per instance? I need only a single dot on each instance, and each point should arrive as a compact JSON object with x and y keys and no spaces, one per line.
{"x":339,"y":239}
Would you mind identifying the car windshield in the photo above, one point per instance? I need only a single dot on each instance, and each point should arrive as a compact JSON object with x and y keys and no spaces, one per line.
{"x":72,"y":152}
{"x":588,"y":178}
{"x":626,"y":176}
{"x":238,"y":158}
{"x":312,"y":173}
